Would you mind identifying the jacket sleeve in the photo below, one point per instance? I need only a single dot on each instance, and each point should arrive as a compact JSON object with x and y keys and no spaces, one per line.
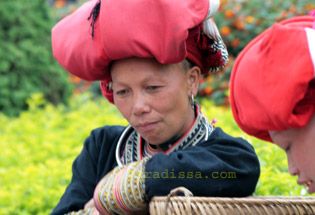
{"x":222,"y":166}
{"x":94,"y":161}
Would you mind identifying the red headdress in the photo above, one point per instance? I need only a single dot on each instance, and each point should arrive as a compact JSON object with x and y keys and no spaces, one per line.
{"x":272,"y":81}
{"x":168,"y":31}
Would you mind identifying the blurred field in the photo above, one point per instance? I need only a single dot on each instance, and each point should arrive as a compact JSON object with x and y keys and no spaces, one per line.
{"x":38,"y":149}
{"x":39,"y":144}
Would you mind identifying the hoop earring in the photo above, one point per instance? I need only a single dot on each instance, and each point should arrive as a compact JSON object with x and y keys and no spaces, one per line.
{"x":192,"y":102}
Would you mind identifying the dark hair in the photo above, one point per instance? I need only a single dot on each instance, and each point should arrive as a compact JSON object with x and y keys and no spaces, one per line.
{"x":188,"y":64}
{"x":94,"y":14}
{"x":309,"y":99}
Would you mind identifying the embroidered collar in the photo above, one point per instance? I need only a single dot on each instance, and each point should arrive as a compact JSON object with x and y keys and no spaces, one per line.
{"x":167,"y":144}
{"x":132,"y":147}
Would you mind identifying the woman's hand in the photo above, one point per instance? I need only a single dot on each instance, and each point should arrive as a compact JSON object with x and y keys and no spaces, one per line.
{"x":122,"y":190}
{"x":89,"y":204}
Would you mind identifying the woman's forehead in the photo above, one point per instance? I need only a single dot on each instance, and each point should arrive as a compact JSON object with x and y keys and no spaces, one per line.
{"x":137,"y":68}
{"x":140,"y":62}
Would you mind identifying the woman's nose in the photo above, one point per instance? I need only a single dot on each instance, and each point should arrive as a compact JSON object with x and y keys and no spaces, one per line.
{"x":293,"y":170}
{"x":140,"y":105}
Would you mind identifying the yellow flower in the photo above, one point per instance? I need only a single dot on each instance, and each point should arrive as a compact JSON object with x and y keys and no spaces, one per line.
{"x":310,"y":6}
{"x":238,"y":7}
{"x":208,"y":90}
{"x":235,"y":42}
{"x":284,"y":14}
{"x":225,"y":31}
{"x":250,"y":19}
{"x":239,"y":24}
{"x":292,"y":10}
{"x":209,"y":78}
{"x":75,"y":79}
{"x":229,"y":14}
{"x":60,"y":3}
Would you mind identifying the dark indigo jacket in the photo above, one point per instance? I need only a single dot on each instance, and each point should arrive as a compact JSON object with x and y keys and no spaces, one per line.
{"x":222,"y":166}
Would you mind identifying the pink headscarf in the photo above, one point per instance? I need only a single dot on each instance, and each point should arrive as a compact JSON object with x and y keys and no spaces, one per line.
{"x":168,"y":31}
{"x":272,"y":81}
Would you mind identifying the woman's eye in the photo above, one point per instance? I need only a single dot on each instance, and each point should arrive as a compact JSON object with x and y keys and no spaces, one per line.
{"x":121,"y":92}
{"x":152,"y":87}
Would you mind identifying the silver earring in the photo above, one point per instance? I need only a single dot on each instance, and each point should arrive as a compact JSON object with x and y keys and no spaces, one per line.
{"x":192,"y":102}
{"x":110,"y":85}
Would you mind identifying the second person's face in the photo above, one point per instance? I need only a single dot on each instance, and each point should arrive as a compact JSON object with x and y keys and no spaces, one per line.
{"x":154,"y":98}
{"x":299,"y":144}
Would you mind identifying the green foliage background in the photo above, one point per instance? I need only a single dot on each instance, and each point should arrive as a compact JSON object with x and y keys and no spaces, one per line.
{"x":26,"y":62}
{"x":38,"y":149}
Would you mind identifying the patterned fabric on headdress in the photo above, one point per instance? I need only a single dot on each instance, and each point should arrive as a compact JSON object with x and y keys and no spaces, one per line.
{"x":168,"y":31}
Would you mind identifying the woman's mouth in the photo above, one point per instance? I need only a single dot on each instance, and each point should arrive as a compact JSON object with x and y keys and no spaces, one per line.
{"x":144,"y":127}
{"x":309,"y":186}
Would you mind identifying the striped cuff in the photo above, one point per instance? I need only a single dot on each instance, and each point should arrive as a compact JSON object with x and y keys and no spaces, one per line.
{"x":122,"y":190}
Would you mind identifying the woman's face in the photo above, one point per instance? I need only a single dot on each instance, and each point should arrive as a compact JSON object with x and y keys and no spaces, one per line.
{"x":299,"y":145}
{"x":153,"y":97}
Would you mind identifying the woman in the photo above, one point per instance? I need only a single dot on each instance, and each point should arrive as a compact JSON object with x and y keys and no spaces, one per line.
{"x":273,"y":92}
{"x":150,"y":69}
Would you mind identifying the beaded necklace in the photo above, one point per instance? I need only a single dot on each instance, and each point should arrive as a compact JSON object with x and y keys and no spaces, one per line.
{"x":132,"y":147}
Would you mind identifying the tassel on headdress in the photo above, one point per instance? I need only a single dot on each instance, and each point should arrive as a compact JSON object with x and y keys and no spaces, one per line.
{"x":93,"y":15}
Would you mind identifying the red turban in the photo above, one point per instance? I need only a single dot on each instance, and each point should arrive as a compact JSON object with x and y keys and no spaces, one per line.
{"x":272,"y":81}
{"x":168,"y":31}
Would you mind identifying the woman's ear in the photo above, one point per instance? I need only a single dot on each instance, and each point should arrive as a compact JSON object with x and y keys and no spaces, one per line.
{"x":193,"y":78}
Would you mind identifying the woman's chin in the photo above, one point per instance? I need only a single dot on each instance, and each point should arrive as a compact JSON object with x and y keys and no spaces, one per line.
{"x":154,"y":139}
{"x":311,"y":188}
